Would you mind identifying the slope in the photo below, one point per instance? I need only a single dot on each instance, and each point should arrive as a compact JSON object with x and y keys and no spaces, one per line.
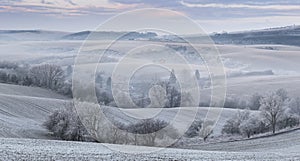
{"x":31,"y":149}
{"x":24,"y":109}
{"x":285,"y":142}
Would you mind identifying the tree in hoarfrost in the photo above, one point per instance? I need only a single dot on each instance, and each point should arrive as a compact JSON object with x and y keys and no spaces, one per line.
{"x":197,"y":75}
{"x":65,"y":124}
{"x":250,"y":126}
{"x":294,"y":106}
{"x":232,"y":126}
{"x":47,"y":75}
{"x":254,"y":103}
{"x":272,"y":108}
{"x":206,"y":129}
{"x":157,"y":96}
{"x":172,"y":91}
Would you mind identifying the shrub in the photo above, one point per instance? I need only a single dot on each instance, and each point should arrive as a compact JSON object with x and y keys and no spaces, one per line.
{"x":245,"y":124}
{"x":206,"y":130}
{"x":194,"y":129}
{"x":232,"y":126}
{"x":154,"y":130}
{"x":254,"y":103}
{"x":66,"y":125}
{"x":250,"y":126}
{"x":8,"y":65}
{"x":288,"y":121}
{"x":235,"y":102}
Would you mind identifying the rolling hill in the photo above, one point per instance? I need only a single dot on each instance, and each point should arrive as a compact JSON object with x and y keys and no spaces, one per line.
{"x":30,"y":35}
{"x":32,"y":149}
{"x":22,"y":134}
{"x":289,"y":35}
{"x":24,"y":109}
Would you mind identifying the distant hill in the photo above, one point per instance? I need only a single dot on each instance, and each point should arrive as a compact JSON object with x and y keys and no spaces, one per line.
{"x":289,"y":35}
{"x":99,"y":35}
{"x":41,"y":35}
{"x":30,"y":35}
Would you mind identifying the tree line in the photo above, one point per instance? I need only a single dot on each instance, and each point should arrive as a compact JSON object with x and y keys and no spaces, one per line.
{"x":276,"y":111}
{"x":164,"y":94}
{"x":48,"y":76}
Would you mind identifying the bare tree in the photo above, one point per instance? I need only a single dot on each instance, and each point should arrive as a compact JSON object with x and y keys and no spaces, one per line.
{"x":206,"y":130}
{"x":147,"y":131}
{"x":47,"y":75}
{"x":272,"y":107}
{"x":197,"y":75}
{"x":232,"y":126}
{"x":250,"y":126}
{"x":194,"y":129}
{"x":157,"y":96}
{"x":66,"y":125}
{"x":254,"y":103}
{"x":283,"y":94}
{"x":294,"y":106}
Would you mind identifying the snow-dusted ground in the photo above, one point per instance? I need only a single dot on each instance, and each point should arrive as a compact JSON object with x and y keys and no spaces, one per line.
{"x":281,"y":59}
{"x":246,"y":86}
{"x":284,"y":142}
{"x":170,"y":113}
{"x":24,"y":109}
{"x":9,"y":89}
{"x":21,"y":117}
{"x":31,"y":149}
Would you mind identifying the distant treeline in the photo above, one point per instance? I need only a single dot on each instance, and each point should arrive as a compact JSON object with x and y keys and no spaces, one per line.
{"x":46,"y":76}
{"x":283,"y":36}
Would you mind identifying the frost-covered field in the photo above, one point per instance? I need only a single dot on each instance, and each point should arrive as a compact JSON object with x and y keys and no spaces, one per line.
{"x":280,"y":58}
{"x":24,"y":109}
{"x":31,"y":149}
{"x":168,"y":114}
{"x":21,"y":117}
{"x":238,"y":60}
{"x":285,"y":142}
{"x":22,"y":113}
{"x":9,"y":89}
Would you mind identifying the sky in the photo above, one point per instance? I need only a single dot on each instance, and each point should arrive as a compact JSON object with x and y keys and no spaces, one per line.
{"x":211,"y":15}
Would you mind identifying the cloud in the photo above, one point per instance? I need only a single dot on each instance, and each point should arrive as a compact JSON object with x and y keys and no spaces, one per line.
{"x":63,"y":7}
{"x":229,"y":13}
{"x":261,"y":7}
{"x":171,"y":3}
{"x":188,"y":7}
{"x":149,"y":2}
{"x":251,"y":23}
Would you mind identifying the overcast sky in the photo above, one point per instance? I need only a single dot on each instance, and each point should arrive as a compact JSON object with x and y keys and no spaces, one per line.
{"x":211,"y":15}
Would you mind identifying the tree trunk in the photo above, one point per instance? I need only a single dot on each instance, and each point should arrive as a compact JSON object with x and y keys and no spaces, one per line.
{"x":273,"y":127}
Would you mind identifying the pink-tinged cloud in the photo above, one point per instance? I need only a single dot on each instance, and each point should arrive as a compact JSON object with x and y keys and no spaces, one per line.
{"x":260,"y":7}
{"x":66,"y":7}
